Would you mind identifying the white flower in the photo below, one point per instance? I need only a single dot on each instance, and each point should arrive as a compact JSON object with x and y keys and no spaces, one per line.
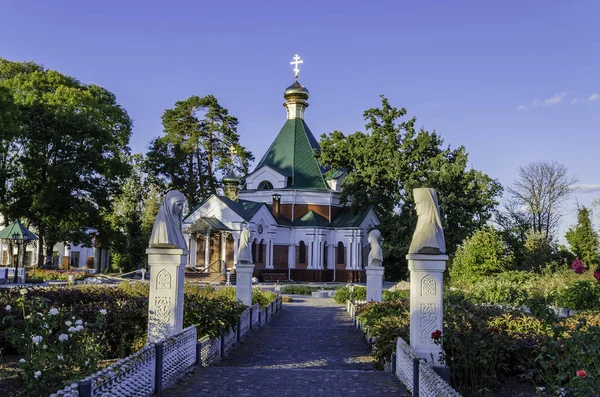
{"x":23,"y":291}
{"x":103,"y":312}
{"x":53,"y":312}
{"x":63,"y":337}
{"x":72,"y":329}
{"x":87,"y":363}
{"x":27,"y":317}
{"x":37,"y":339}
{"x":8,"y":307}
{"x":79,"y":328}
{"x":68,"y":323}
{"x":78,"y":322}
{"x":59,"y":357}
{"x":37,"y":374}
{"x":22,"y":360}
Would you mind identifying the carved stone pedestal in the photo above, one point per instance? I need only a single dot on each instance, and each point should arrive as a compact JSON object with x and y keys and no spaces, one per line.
{"x":374,"y":283}
{"x":426,"y":303}
{"x":243,"y":283}
{"x":165,"y":307}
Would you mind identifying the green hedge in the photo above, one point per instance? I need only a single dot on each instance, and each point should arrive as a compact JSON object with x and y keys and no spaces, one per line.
{"x":304,"y":289}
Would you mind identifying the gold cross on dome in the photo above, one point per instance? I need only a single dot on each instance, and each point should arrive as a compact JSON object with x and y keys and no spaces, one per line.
{"x":232,"y":151}
{"x":297,"y":61}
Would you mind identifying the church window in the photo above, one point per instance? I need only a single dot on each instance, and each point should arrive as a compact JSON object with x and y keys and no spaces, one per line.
{"x":260,"y":251}
{"x":302,"y":253}
{"x":265,"y":185}
{"x":340,"y":253}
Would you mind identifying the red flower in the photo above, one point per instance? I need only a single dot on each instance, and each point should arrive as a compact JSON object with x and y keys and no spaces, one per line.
{"x":436,"y":334}
{"x":581,"y":373}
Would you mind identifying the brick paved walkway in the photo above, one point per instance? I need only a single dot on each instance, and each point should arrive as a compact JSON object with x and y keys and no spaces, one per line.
{"x":310,"y":349}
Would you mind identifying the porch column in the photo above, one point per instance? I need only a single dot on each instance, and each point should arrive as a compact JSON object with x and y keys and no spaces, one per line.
{"x":223,"y":255}
{"x":348,"y":256}
{"x":192,"y":255}
{"x":309,"y":254}
{"x":207,"y":251}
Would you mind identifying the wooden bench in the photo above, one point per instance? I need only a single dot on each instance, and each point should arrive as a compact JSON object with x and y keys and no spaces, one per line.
{"x":270,"y":277}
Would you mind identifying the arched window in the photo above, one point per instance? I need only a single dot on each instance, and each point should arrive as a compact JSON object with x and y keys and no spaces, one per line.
{"x":265,"y":185}
{"x":340,"y":253}
{"x":302,"y":253}
{"x":260,"y":251}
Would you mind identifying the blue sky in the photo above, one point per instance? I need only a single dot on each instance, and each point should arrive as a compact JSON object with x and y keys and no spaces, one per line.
{"x":513,"y":81}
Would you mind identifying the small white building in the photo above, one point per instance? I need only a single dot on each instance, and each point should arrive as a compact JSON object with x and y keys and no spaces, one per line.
{"x":298,"y":226}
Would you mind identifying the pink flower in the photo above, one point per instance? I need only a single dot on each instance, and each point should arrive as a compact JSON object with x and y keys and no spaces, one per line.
{"x":581,"y":373}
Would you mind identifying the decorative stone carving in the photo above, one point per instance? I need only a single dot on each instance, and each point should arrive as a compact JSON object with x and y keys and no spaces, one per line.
{"x":429,"y":236}
{"x":162,"y":306}
{"x":428,"y":320}
{"x":427,"y":285}
{"x":163,"y":280}
{"x":375,"y":253}
{"x":244,"y":255}
{"x":167,"y":231}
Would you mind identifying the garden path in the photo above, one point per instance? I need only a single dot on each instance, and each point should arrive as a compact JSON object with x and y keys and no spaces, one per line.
{"x":310,"y":349}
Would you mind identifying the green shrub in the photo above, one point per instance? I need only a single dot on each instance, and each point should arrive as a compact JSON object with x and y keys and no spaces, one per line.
{"x":343,"y":294}
{"x":62,"y":275}
{"x":498,"y":290}
{"x":581,"y":295}
{"x":482,"y":254}
{"x":303,"y":289}
{"x":386,"y":321}
{"x":395,"y":295}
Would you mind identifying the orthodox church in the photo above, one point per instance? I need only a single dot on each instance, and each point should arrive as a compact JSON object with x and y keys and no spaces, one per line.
{"x":299,"y":229}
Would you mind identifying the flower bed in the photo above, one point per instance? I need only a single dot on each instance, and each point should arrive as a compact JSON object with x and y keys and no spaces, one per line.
{"x":114,"y":321}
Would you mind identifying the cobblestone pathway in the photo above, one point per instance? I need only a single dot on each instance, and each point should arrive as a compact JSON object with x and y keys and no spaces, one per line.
{"x":310,"y":349}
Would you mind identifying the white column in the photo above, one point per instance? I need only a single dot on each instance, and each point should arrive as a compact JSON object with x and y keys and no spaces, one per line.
{"x":270,"y":255}
{"x":309,"y":252}
{"x":193,"y":248}
{"x":426,"y":303}
{"x":292,"y":256}
{"x":348,"y":256}
{"x":206,"y":251}
{"x":223,"y":248}
{"x":236,"y":243}
{"x":165,"y":308}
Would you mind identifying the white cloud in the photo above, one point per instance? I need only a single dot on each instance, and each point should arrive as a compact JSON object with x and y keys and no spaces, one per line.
{"x":588,"y":188}
{"x":574,"y":101}
{"x":521,"y":107}
{"x":555,"y":99}
{"x":593,"y":97}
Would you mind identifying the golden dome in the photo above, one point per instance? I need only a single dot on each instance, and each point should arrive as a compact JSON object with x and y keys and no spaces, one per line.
{"x":296,"y":91}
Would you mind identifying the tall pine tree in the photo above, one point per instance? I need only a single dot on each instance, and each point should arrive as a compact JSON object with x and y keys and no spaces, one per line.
{"x":583,"y":239}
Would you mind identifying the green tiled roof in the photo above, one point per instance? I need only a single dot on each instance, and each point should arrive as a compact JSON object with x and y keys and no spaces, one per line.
{"x":347,"y":217}
{"x":244,"y":208}
{"x":292,"y":154}
{"x":311,"y":219}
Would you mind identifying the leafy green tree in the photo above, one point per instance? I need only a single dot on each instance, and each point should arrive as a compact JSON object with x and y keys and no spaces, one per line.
{"x":128,"y":248}
{"x":73,"y":141}
{"x":9,"y":149}
{"x":483,"y":254}
{"x":583,"y":239}
{"x":387,"y":162}
{"x":196,"y":148}
{"x":537,"y":252}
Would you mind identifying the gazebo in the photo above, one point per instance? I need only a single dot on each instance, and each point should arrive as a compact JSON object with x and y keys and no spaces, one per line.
{"x":16,"y":233}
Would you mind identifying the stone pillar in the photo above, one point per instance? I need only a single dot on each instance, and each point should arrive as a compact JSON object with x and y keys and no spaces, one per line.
{"x":165,"y":306}
{"x":426,"y":303}
{"x":206,"y":251}
{"x":374,"y":283}
{"x":243,"y":283}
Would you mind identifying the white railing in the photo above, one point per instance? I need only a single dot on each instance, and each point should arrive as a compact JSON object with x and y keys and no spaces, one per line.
{"x":408,"y":363}
{"x":159,"y":366}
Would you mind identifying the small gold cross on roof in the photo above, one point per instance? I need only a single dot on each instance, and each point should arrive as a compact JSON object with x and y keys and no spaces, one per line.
{"x":297,"y":61}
